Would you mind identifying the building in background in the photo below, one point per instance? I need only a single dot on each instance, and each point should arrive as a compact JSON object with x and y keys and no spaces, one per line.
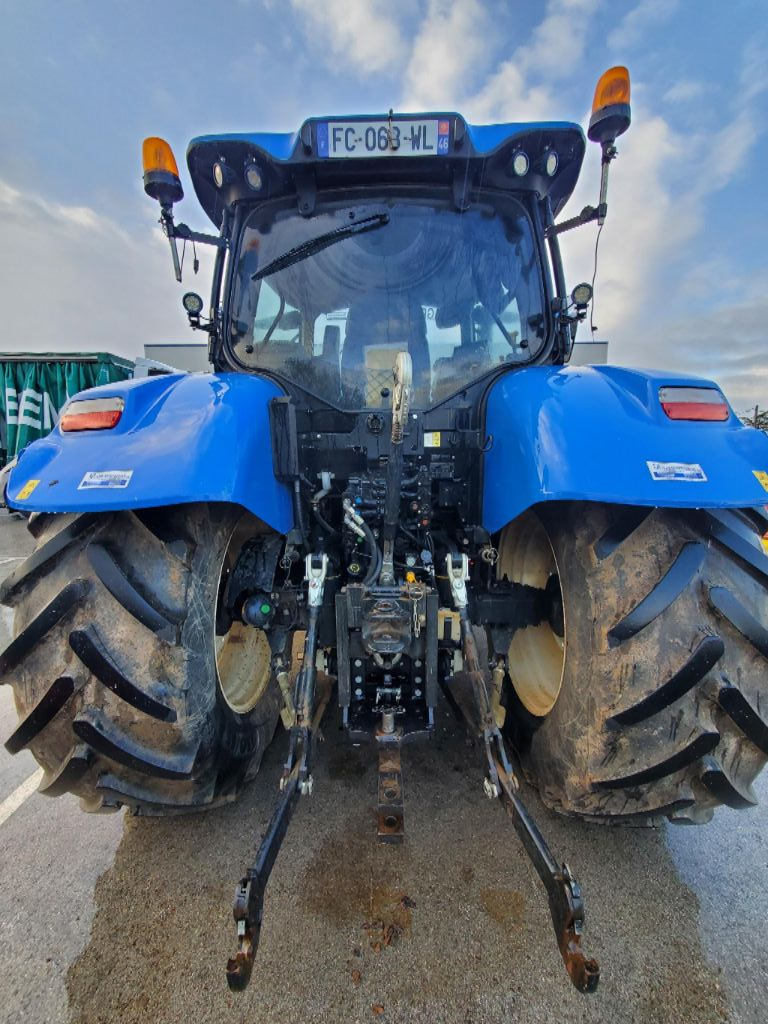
{"x":192,"y":356}
{"x":589,"y":352}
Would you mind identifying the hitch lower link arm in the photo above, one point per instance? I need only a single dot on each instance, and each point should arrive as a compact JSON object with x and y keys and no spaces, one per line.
{"x":566,"y":905}
{"x":296,"y":781}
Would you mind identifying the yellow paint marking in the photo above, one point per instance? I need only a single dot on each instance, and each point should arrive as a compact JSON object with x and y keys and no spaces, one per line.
{"x":30,"y":485}
{"x":762,"y":478}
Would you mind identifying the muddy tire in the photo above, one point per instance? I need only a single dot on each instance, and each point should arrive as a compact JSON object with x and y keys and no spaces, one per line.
{"x":646,"y":694}
{"x":125,"y":695}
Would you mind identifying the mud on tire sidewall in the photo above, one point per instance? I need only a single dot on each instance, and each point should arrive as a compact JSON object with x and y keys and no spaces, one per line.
{"x":576,"y":749}
{"x":173,"y":556}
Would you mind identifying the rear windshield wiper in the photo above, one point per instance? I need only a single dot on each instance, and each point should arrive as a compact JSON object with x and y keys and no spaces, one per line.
{"x":314,"y":245}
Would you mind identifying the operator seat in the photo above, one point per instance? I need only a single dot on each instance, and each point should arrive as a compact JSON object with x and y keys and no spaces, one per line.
{"x":378,"y":327}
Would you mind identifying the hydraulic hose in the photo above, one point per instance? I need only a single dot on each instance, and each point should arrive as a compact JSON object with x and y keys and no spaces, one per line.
{"x":358,"y":525}
{"x":375,"y":563}
{"x":325,"y":479}
{"x":323,"y":523}
{"x":298,"y":512}
{"x":394,"y":492}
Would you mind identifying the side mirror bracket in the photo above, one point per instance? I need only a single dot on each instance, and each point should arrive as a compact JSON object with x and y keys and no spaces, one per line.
{"x":162,"y":182}
{"x":611,"y":116}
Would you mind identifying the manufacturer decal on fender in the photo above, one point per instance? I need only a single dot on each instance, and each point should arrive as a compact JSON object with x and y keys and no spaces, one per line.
{"x":762,"y":477}
{"x":687,"y":471}
{"x":111,"y":478}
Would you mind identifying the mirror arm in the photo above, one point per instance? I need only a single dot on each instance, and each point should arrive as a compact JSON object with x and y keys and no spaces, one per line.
{"x":186,"y":234}
{"x":590,"y":213}
{"x":166,"y":222}
{"x":609,"y":153}
{"x":173,"y":231}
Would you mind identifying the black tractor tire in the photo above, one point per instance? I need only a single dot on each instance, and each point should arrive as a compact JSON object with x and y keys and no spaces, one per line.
{"x":662,"y":708}
{"x":114,"y":662}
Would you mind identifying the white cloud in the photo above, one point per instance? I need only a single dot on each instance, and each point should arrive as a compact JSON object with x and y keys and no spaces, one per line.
{"x":558,"y":42}
{"x":754,"y":71}
{"x":724,"y":153}
{"x":646,"y":228}
{"x":507,"y":96}
{"x":652,"y":266}
{"x":635,"y":25}
{"x":452,"y":42}
{"x":80,"y":282}
{"x":364,"y":35}
{"x":686,"y":90}
{"x":726,"y":342}
{"x":524,"y":86}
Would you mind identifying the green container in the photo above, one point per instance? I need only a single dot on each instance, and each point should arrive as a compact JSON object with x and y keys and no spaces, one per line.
{"x":35,"y":387}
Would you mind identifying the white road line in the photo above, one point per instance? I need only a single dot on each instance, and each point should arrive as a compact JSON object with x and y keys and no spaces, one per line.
{"x":14,"y":558}
{"x":19,"y":795}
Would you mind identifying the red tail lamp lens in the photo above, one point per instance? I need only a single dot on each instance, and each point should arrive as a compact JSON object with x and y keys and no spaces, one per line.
{"x":92,"y":414}
{"x":693,"y":404}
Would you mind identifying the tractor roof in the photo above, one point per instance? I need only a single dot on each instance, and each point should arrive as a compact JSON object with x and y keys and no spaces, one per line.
{"x":466,"y":156}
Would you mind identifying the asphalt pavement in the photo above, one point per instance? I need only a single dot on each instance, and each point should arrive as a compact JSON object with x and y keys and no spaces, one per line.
{"x":108,"y":918}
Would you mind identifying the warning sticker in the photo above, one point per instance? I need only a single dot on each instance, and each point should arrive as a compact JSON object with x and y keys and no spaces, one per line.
{"x":762,"y":478}
{"x":110,"y":478}
{"x":688,"y":471}
{"x":27,"y":489}
{"x":432,"y":439}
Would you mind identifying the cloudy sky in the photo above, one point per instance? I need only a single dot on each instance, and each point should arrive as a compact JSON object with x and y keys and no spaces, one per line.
{"x":683,"y":271}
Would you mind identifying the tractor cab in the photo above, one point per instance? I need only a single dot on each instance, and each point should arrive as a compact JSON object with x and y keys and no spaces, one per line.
{"x":461,"y":292}
{"x":359,"y":238}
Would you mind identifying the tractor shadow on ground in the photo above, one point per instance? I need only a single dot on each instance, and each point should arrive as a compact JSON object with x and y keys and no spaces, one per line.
{"x":451,"y":926}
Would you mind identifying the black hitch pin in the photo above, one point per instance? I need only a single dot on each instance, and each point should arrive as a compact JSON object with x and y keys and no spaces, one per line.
{"x":296,"y":781}
{"x":566,"y":905}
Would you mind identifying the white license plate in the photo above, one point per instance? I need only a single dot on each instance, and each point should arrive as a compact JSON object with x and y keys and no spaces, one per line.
{"x":382,"y":138}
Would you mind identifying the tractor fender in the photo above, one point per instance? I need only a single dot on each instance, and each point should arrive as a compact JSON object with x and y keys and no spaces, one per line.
{"x":589,"y":433}
{"x":181,"y":438}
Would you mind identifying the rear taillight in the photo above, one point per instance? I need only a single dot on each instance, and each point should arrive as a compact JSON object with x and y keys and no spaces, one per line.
{"x":693,"y":403}
{"x":92,"y":414}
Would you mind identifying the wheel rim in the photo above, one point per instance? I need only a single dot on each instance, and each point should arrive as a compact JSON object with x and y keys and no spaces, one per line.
{"x":243,"y":655}
{"x":536,"y":654}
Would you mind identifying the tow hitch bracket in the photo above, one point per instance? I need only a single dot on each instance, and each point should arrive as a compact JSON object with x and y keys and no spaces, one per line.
{"x":563,"y":891}
{"x":390,"y":817}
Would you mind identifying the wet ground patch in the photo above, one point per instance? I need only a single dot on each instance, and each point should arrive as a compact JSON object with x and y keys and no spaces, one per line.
{"x":452,"y":926}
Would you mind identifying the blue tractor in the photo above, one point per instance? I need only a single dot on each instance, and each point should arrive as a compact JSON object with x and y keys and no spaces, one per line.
{"x":393,"y":489}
